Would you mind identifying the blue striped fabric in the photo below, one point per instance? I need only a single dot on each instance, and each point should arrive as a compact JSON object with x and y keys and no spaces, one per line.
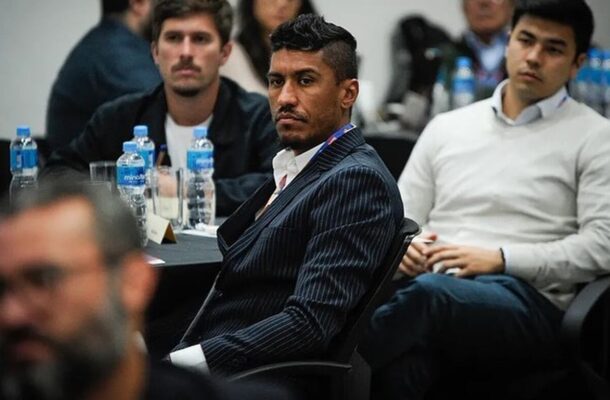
{"x":289,"y":278}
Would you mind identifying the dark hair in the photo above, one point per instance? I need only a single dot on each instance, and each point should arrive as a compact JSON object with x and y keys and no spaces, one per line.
{"x":115,"y":226}
{"x":114,"y":6}
{"x":574,"y":13}
{"x":312,"y":33}
{"x":220,"y":10}
{"x":250,"y":36}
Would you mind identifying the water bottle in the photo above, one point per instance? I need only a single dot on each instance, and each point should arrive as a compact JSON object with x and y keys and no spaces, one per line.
{"x":200,"y":190}
{"x":146,"y":147}
{"x":440,"y":97}
{"x":595,"y":94}
{"x":131,"y":182}
{"x":463,"y":90}
{"x":24,"y":162}
{"x":606,"y":81}
{"x":579,"y":85}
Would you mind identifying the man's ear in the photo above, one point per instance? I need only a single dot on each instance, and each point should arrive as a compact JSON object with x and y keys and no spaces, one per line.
{"x":349,"y":93}
{"x":578,"y":63}
{"x":154,"y":52}
{"x":225,"y":52}
{"x":138,"y":283}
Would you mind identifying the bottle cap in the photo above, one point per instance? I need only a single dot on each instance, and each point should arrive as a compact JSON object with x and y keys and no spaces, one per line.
{"x":200,"y":132}
{"x":140,"y":131}
{"x":130,"y":147}
{"x":463,"y":62}
{"x":23,"y":131}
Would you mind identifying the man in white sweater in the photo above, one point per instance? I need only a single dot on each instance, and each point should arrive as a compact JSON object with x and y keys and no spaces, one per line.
{"x":513,"y":192}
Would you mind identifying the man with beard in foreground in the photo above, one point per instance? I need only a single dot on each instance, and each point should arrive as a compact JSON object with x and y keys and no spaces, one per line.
{"x":74,"y":286}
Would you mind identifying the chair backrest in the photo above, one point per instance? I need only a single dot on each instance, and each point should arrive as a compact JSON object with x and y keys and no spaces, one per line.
{"x":345,"y":343}
{"x":5,"y":170}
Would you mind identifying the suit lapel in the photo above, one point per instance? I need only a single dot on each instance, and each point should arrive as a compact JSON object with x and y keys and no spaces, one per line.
{"x":243,"y":219}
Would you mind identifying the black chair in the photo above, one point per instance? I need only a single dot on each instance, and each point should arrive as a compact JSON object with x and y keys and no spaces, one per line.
{"x":5,"y":168}
{"x":585,"y":374}
{"x":344,"y":369}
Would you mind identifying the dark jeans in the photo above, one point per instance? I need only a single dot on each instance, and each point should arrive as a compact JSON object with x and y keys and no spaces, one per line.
{"x":437,"y":322}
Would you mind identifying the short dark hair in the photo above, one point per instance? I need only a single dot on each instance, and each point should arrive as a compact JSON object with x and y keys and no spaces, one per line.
{"x":310,"y":32}
{"x":574,"y":13}
{"x":220,"y":10}
{"x":114,"y":224}
{"x":114,"y":6}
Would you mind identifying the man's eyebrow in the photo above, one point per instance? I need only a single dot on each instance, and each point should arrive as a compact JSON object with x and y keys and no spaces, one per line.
{"x":297,"y":72}
{"x":552,"y":40}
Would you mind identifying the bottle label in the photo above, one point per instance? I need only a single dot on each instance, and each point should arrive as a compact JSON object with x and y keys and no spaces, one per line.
{"x":149,"y":158}
{"x":463,"y":86}
{"x":131,"y":176}
{"x":197,"y":160}
{"x":23,"y":158}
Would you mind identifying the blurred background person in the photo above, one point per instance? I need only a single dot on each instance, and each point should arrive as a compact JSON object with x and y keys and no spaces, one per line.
{"x":111,"y":60}
{"x":249,"y":61}
{"x":74,"y":286}
{"x":424,"y":61}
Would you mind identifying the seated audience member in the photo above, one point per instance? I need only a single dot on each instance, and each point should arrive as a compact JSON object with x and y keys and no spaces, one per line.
{"x":74,"y":286}
{"x":111,"y":60}
{"x":249,"y":61}
{"x":301,"y":252}
{"x":190,"y":44}
{"x":515,"y":191}
{"x":423,"y":53}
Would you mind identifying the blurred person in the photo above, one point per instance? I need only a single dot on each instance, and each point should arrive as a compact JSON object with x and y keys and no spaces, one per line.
{"x":111,"y":60}
{"x":74,"y":286}
{"x":301,"y":252}
{"x":424,"y":54}
{"x":190,"y":43}
{"x":514,"y":190}
{"x":249,"y":61}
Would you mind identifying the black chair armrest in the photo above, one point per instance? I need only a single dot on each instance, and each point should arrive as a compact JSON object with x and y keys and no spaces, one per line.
{"x":578,"y":312}
{"x":295,"y":368}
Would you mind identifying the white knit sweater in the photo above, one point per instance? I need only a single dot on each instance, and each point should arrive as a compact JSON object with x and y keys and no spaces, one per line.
{"x":541,"y":191}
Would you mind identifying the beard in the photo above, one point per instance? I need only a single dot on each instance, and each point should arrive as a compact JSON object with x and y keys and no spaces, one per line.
{"x":79,"y":362}
{"x":187,"y":91}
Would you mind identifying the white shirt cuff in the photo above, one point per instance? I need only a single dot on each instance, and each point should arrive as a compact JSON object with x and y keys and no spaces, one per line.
{"x":191,"y":357}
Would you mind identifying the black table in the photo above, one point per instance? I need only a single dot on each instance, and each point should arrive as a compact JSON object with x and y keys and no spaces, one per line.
{"x":190,"y":267}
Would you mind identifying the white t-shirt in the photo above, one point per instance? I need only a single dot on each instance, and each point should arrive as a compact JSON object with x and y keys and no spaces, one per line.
{"x":179,"y":139}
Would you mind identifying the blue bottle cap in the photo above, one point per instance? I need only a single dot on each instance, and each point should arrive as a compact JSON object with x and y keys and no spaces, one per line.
{"x":463,"y":62}
{"x":130,"y":147}
{"x":140,"y":131}
{"x":23,"y":131}
{"x":200,"y":132}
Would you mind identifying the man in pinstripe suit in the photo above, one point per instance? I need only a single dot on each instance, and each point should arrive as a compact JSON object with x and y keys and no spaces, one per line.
{"x":300,"y":253}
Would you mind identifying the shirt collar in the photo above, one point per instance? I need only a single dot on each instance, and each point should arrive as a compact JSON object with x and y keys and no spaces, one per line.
{"x":286,"y":163}
{"x":542,"y":109}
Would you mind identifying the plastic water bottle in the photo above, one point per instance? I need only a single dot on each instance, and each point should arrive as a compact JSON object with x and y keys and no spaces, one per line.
{"x":463,"y":83}
{"x":146,"y":147}
{"x":131,"y":182}
{"x":24,"y":162}
{"x":200,"y":191}
{"x":606,"y":82}
{"x":595,"y":92}
{"x":440,"y":97}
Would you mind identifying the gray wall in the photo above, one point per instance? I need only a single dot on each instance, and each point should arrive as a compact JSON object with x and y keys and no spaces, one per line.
{"x":36,"y":35}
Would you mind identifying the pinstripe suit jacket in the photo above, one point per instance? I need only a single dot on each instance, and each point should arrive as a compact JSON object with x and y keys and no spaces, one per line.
{"x":290,"y":277}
